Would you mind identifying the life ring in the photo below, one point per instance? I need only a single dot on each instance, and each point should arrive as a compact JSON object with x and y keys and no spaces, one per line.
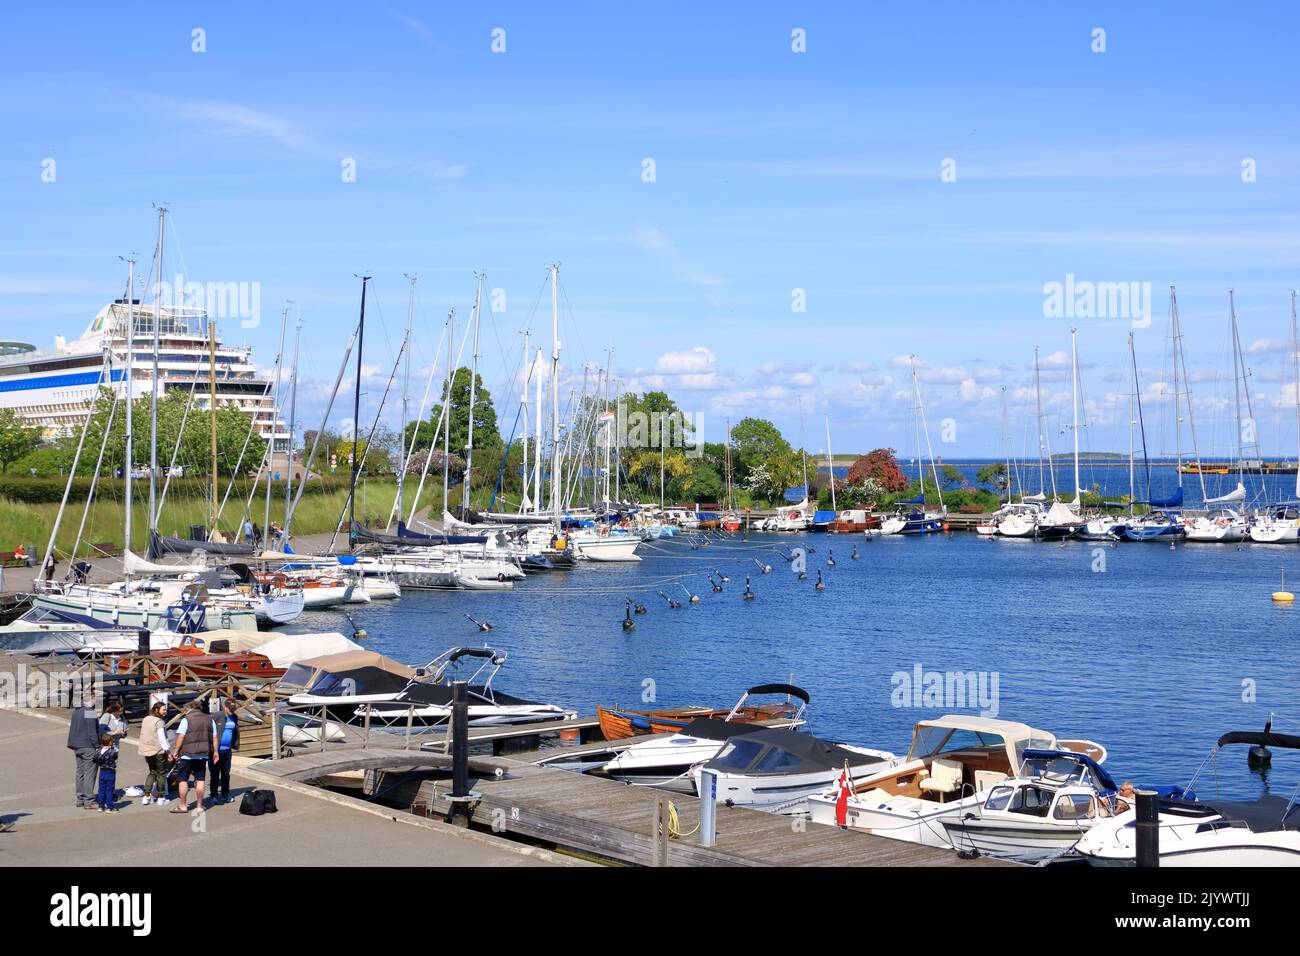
{"x":501,"y":577}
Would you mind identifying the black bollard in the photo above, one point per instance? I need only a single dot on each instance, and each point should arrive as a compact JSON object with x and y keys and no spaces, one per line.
{"x":1147,"y":852}
{"x":459,"y":741}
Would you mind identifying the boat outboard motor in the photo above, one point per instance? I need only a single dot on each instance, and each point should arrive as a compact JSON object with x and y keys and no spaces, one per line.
{"x":1259,"y":756}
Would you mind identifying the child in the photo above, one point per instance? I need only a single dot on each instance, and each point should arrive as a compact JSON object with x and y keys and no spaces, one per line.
{"x":106,"y":758}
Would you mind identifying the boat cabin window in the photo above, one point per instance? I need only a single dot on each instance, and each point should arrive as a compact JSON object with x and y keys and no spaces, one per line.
{"x":1075,"y":806}
{"x":737,"y":755}
{"x":1030,"y":800}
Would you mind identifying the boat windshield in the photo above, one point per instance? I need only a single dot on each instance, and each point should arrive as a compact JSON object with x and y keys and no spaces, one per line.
{"x":737,"y":755}
{"x":933,"y":741}
{"x":1056,"y":770}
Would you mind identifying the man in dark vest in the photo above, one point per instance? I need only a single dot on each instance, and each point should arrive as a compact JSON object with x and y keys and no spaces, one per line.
{"x":83,"y":741}
{"x":196,"y":745}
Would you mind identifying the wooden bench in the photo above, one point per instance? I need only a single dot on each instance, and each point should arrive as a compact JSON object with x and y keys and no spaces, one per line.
{"x":970,"y":509}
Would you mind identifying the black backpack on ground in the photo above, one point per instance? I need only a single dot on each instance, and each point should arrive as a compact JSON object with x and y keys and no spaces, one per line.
{"x":257,"y":802}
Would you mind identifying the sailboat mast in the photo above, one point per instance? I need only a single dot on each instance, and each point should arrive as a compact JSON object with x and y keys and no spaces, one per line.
{"x":803,"y":458}
{"x":356,"y":419}
{"x":1074,"y":392}
{"x":523,"y":407}
{"x":275,"y":419}
{"x":153,"y":398}
{"x":212,"y":417}
{"x":446,"y":411}
{"x":406,"y":391}
{"x":556,"y":472}
{"x":537,"y":432}
{"x":1295,"y":355}
{"x":1132,"y":485}
{"x":293,"y":412}
{"x":130,"y":375}
{"x":609,"y":427}
{"x":830,"y":462}
{"x":916,"y":424}
{"x":1180,"y":358}
{"x":1044,"y":443}
{"x":473,"y":390}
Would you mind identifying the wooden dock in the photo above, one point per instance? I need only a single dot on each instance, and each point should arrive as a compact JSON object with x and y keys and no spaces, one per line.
{"x":613,"y":820}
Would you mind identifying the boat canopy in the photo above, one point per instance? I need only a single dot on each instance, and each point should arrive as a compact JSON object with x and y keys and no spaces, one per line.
{"x":1173,"y":502}
{"x":348,"y":673}
{"x":796,"y":494}
{"x":288,"y":649}
{"x":823,"y":517}
{"x":776,"y":751}
{"x":406,"y":537}
{"x":790,"y":690}
{"x":931,"y":736}
{"x":1237,"y":494}
{"x":918,"y":500}
{"x":160,"y":545}
{"x":132,"y":563}
{"x":1061,"y":514}
{"x":1099,"y":773}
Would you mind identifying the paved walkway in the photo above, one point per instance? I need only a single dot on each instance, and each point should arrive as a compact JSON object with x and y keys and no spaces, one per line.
{"x":312,"y":828}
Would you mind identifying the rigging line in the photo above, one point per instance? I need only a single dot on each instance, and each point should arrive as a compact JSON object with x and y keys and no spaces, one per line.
{"x":180,"y":433}
{"x":108,"y":430}
{"x":415,"y":432}
{"x":392,"y":377}
{"x":444,"y":416}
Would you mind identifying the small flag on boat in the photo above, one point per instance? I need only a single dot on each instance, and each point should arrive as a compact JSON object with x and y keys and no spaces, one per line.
{"x":842,"y":801}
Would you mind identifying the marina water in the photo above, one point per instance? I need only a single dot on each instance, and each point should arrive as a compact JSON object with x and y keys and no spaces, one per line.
{"x":1152,"y":651}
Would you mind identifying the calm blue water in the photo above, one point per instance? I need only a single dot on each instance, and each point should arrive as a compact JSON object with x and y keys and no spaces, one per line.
{"x":1113,"y":481}
{"x":1147,"y":657}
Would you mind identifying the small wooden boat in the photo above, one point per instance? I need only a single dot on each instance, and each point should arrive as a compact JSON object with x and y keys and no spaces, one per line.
{"x":617,"y":724}
{"x":214,"y":659}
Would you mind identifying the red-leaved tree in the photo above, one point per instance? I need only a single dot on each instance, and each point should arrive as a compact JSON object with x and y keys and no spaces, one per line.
{"x":882,"y":466}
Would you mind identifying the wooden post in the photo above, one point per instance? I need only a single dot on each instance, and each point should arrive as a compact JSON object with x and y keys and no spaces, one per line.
{"x":1147,"y":851}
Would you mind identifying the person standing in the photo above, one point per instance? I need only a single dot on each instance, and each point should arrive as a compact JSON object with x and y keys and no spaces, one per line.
{"x":113,"y":722}
{"x":196,"y":745}
{"x":248,"y":531}
{"x":227,"y":743}
{"x":106,"y":760}
{"x":83,"y":741}
{"x":153,"y":748}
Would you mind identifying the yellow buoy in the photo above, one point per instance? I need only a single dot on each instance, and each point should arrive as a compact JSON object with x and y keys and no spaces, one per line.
{"x":1284,"y":596}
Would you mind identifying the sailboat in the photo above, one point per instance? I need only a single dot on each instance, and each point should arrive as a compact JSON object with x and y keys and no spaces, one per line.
{"x":1221,"y":522}
{"x":1061,"y":521}
{"x":1280,"y":524}
{"x":911,"y":517}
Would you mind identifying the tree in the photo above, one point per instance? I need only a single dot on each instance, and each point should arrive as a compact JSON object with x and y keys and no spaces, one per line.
{"x":881,"y":466}
{"x":995,"y":475}
{"x":756,"y":442}
{"x":952,"y":476}
{"x":486,"y":436}
{"x":17,"y":438}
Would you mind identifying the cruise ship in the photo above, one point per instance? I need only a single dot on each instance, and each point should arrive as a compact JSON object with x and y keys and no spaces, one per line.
{"x":52,"y":387}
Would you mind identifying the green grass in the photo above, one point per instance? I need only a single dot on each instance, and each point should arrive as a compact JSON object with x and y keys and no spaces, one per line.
{"x":24,"y":523}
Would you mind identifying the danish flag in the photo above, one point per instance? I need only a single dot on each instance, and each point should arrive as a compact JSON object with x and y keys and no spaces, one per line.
{"x":842,"y":801}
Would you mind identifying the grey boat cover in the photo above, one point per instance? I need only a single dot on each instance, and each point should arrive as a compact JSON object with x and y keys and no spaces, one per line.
{"x":161,"y":545}
{"x":408,"y":538}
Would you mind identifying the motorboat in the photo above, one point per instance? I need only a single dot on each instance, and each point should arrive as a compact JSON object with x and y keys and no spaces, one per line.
{"x":1017,"y":519}
{"x":340,"y":683}
{"x":1194,"y":832}
{"x":426,"y":700}
{"x":617,"y":724}
{"x":1038,"y":815}
{"x":667,"y":761}
{"x":951,"y":758}
{"x":777,"y":770}
{"x":605,"y":545}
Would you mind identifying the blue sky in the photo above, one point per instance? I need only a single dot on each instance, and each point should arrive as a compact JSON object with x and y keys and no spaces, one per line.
{"x":775,"y":171}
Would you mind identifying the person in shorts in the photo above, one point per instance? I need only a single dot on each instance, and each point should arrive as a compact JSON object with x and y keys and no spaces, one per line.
{"x":196,"y":745}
